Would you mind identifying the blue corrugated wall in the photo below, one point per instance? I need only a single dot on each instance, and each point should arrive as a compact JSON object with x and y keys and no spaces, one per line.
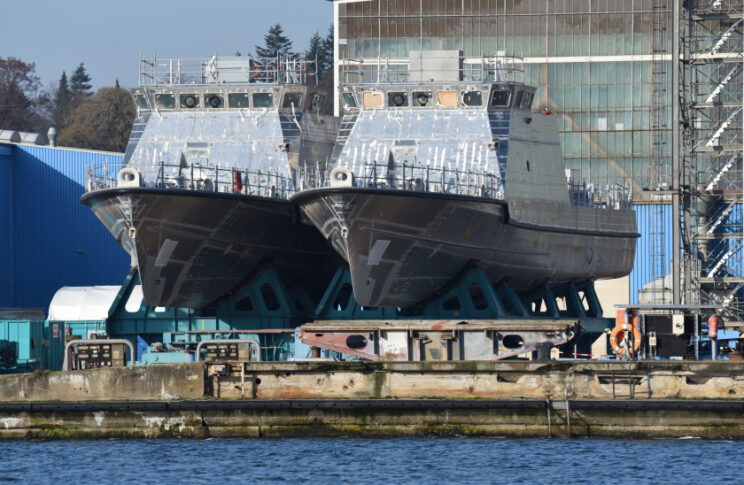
{"x":643,"y":265}
{"x":642,"y":269}
{"x":56,"y":240}
{"x":6,"y":222}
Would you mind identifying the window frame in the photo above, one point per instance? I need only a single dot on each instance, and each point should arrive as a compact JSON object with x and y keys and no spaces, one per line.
{"x":253,"y":99}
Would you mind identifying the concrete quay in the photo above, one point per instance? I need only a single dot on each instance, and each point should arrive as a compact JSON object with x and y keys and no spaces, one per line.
{"x":517,"y":398}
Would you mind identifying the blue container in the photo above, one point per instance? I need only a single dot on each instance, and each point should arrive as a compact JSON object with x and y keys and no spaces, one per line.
{"x":33,"y":346}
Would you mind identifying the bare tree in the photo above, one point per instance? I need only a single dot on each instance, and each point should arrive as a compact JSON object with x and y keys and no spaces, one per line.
{"x":20,"y":96}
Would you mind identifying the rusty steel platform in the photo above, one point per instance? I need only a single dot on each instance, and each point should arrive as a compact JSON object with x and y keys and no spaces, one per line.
{"x":439,"y":340}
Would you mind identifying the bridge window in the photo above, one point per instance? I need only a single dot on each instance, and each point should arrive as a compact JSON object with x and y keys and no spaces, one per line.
{"x":141,"y":101}
{"x":238,"y":100}
{"x":526,"y":101}
{"x":165,"y":101}
{"x":214,"y":100}
{"x":263,"y":100}
{"x":349,"y":100}
{"x":472,"y":98}
{"x":189,"y":101}
{"x":292,"y":99}
{"x":500,"y":98}
{"x":398,"y":99}
{"x":421,"y":98}
{"x":317,"y":101}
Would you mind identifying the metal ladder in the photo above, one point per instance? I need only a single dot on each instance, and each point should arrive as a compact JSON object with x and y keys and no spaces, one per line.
{"x":660,"y":111}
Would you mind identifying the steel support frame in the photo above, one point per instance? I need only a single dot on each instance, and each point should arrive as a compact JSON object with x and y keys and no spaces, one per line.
{"x":473,"y":297}
{"x":473,"y":319}
{"x":185,"y":328}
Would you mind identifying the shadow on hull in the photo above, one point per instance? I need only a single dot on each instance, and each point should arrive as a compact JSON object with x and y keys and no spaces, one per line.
{"x":403,"y":247}
{"x":192,"y":248}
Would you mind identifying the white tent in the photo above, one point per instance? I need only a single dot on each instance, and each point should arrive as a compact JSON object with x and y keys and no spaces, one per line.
{"x":82,"y":303}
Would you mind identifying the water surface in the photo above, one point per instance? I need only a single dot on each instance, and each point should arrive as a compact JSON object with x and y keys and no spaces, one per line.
{"x":352,"y":461}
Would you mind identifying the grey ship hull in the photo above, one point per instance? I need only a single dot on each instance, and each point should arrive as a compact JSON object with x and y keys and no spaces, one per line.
{"x":192,"y":248}
{"x":402,"y":247}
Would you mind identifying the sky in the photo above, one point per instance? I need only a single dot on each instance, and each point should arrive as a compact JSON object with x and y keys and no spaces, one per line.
{"x":108,"y":36}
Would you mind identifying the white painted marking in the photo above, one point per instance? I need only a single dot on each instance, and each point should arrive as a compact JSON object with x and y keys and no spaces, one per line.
{"x":163,"y":422}
{"x":98,"y":416}
{"x":154,"y":421}
{"x":165,"y":252}
{"x":11,"y":422}
{"x":377,"y":251}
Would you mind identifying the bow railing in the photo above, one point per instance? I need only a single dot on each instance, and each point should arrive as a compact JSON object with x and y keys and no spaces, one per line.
{"x":207,"y":178}
{"x":412,"y":177}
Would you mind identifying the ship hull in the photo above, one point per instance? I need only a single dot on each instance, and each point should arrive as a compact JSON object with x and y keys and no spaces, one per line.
{"x":192,"y":248}
{"x":404,"y":247}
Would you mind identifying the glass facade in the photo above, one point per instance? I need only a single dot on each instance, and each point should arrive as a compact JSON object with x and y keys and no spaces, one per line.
{"x":602,"y":65}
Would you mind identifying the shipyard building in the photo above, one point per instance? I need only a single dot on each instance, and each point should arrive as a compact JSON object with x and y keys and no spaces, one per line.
{"x":49,"y":240}
{"x":598,"y":64}
{"x":606,"y":69}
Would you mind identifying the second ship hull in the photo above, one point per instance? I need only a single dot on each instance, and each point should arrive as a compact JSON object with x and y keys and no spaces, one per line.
{"x":192,"y":248}
{"x":402,"y":247}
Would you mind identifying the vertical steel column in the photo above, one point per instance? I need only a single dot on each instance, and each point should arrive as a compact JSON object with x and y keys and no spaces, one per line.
{"x":676,"y":300}
{"x":336,"y":70}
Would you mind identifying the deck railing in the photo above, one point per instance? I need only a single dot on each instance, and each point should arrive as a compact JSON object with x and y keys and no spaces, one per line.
{"x":264,"y":183}
{"x":602,"y":196}
{"x":413,"y":177}
{"x":235,"y":69}
{"x":447,"y":180}
{"x":383,"y":176}
{"x":432,"y":67}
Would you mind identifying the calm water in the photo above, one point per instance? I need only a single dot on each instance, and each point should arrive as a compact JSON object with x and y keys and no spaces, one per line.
{"x":336,"y":461}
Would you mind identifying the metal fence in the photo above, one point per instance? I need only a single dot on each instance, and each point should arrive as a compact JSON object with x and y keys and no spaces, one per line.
{"x":601,"y":196}
{"x":264,"y":183}
{"x":454,"y":68}
{"x":473,"y":183}
{"x":415,"y":178}
{"x":269,"y":70}
{"x":383,"y":176}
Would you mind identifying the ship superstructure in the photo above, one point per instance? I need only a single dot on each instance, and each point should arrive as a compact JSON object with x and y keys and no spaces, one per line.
{"x":200,"y":202}
{"x":445,"y":167}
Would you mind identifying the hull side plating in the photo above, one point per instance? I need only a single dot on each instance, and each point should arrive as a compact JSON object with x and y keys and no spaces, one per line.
{"x":193,"y":248}
{"x":402,"y":247}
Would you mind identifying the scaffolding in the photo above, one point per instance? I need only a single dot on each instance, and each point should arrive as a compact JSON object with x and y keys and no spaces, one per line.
{"x":659,"y":167}
{"x":712,"y":181}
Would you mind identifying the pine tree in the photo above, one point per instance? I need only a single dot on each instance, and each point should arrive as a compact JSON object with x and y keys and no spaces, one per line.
{"x":80,"y":81}
{"x":61,"y":103}
{"x":116,"y":85}
{"x":275,"y":44}
{"x":314,"y":49}
{"x":325,"y":59}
